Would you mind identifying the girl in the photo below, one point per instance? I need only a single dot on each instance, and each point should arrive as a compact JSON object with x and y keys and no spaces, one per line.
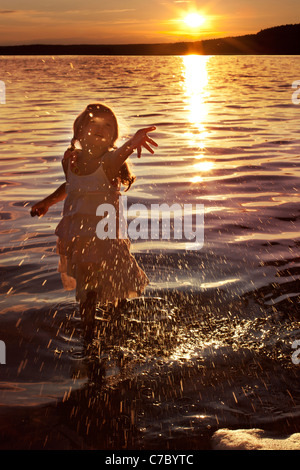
{"x":100,"y":270}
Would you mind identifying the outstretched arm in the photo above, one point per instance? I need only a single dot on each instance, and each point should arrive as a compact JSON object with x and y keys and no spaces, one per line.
{"x":113,"y":163}
{"x":41,"y":208}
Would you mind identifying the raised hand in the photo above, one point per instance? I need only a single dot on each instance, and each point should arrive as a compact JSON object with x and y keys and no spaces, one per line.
{"x":141,"y":139}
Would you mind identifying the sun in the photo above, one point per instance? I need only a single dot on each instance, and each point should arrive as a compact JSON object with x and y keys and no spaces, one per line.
{"x":194,"y":20}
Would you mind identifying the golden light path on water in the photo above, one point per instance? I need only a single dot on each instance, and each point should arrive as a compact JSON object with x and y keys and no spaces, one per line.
{"x":196,"y":88}
{"x":197,"y":93}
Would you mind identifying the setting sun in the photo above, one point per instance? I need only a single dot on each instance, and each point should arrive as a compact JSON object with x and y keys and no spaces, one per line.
{"x":194,"y":20}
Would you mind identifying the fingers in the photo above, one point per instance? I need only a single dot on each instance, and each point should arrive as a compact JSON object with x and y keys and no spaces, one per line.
{"x":148,"y":147}
{"x":152,"y":142}
{"x":36,"y":211}
{"x":148,"y":129}
{"x":39,"y":209}
{"x":143,"y":140}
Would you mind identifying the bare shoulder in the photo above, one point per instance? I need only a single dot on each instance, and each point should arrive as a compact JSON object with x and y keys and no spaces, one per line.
{"x":68,"y":156}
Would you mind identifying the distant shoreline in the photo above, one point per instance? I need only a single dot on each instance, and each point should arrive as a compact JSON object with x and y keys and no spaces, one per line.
{"x":279,"y":40}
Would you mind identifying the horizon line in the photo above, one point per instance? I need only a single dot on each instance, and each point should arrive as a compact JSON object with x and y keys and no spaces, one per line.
{"x":145,"y":44}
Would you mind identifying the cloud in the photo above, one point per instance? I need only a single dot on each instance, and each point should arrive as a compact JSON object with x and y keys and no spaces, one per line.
{"x":75,"y":16}
{"x":4,"y":12}
{"x":117,"y":11}
{"x":65,"y":12}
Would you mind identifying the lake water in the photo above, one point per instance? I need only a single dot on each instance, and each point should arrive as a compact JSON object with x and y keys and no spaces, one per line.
{"x":210,"y":345}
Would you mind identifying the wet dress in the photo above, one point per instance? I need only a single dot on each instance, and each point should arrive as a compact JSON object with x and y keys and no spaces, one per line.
{"x":87,"y":262}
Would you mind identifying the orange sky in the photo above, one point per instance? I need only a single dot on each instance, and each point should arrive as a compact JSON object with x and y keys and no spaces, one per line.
{"x":136,"y":21}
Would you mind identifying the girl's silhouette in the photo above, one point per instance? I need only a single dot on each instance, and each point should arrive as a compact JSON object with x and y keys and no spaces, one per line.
{"x":100,"y":270}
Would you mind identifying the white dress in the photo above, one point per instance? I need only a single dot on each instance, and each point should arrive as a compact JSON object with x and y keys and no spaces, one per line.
{"x":87,"y":262}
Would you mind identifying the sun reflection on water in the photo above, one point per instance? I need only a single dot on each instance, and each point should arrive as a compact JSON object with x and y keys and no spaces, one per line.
{"x":196,"y":88}
{"x":203,"y":166}
{"x":196,"y":179}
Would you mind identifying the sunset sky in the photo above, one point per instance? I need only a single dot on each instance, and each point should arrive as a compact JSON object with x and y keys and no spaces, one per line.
{"x":137,"y":21}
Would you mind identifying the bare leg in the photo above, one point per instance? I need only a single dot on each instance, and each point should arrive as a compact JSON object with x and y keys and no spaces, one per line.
{"x":87,"y":313}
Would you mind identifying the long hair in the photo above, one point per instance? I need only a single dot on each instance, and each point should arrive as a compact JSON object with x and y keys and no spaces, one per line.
{"x":80,"y":123}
